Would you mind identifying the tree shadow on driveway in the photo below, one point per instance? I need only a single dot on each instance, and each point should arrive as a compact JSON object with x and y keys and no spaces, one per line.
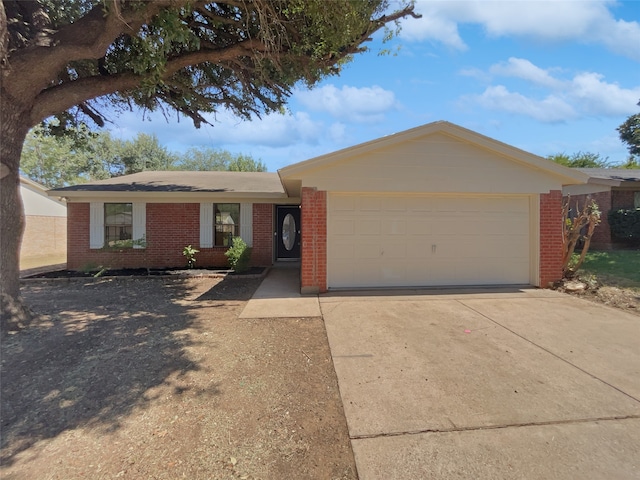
{"x":94,"y":356}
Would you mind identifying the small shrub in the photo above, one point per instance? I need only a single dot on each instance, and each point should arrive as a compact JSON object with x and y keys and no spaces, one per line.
{"x":625,"y":224}
{"x":239,"y":255}
{"x":89,"y":267}
{"x":190,"y":253}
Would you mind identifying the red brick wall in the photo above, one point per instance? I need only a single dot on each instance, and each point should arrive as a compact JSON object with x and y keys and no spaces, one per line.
{"x":314,"y":241}
{"x":170,"y":227}
{"x":622,"y":199}
{"x":262,"y":253}
{"x":550,"y":237}
{"x":602,"y":234}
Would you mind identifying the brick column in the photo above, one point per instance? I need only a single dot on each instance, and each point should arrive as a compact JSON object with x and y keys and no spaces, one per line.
{"x":550,"y":237}
{"x":313,"y":274}
{"x":262,"y":251}
{"x":78,"y":252}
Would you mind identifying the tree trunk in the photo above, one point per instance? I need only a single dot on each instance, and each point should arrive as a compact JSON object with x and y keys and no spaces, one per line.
{"x":13,"y":130}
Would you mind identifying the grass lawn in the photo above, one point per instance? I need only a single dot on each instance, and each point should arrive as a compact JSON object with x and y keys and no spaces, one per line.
{"x":618,"y":268}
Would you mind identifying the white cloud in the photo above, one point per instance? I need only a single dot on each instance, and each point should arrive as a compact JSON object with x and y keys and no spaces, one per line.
{"x":551,"y":20}
{"x":585,"y":94}
{"x":524,"y":69}
{"x":364,"y":104}
{"x":272,"y":130}
{"x":601,"y":98}
{"x":549,"y":109}
{"x":433,"y":27}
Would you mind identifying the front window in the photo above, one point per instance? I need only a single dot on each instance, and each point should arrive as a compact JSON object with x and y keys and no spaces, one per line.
{"x":227,"y":223}
{"x":118,"y":224}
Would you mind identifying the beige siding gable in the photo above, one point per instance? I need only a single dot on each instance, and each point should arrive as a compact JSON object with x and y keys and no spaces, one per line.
{"x":435,"y":163}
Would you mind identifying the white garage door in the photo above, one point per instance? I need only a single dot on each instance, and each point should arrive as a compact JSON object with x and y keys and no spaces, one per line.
{"x":393,"y":241}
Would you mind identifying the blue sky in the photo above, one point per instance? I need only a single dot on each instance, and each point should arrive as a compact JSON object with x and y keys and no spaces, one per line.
{"x":545,"y":76}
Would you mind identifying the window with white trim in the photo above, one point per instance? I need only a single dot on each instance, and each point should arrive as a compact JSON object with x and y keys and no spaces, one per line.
{"x":226,"y":223}
{"x":118,"y":224}
{"x":216,"y":229}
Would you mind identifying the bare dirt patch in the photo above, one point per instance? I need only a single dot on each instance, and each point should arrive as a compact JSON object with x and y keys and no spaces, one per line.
{"x":617,"y":296}
{"x":158,"y":378}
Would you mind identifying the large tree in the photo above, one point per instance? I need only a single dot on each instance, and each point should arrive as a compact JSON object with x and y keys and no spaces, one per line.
{"x":630,"y":133}
{"x":70,"y":58}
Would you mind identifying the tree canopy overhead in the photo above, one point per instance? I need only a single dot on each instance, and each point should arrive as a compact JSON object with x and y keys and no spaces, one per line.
{"x":70,"y":58}
{"x":186,"y":55}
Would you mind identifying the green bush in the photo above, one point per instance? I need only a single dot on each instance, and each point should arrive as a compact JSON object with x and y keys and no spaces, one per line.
{"x":625,"y":224}
{"x":239,"y":255}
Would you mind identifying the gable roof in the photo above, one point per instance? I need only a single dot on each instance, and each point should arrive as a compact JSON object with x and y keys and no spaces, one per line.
{"x":220,"y":182}
{"x":616,"y":174}
{"x":293,"y":172}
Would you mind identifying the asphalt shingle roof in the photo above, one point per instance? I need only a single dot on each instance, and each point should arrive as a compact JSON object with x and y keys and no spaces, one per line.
{"x":180,"y":181}
{"x":621,"y":174}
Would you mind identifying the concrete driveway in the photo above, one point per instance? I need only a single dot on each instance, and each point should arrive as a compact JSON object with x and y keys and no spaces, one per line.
{"x":487,"y":384}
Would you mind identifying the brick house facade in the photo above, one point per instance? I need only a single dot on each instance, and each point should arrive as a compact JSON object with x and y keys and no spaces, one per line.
{"x":169,"y":228}
{"x":435,"y":205}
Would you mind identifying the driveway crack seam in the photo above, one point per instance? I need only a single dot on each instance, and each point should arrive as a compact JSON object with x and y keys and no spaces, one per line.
{"x":549,"y":352}
{"x":495,"y":427}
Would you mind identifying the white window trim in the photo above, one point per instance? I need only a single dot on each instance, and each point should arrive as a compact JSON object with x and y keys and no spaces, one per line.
{"x":206,"y":225}
{"x":139,"y":224}
{"x":96,"y":224}
{"x":207,"y":215}
{"x":246,"y":223}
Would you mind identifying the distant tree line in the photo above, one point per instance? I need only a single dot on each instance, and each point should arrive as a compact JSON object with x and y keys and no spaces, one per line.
{"x":62,"y":160}
{"x":629,"y":133}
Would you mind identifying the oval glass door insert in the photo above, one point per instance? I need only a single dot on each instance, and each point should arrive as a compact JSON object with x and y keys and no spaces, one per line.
{"x":289,"y":231}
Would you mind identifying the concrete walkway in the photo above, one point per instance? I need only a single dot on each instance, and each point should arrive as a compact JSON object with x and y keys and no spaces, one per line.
{"x":278,"y":296}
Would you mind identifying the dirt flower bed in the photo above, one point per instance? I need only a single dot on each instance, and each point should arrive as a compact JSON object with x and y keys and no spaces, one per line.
{"x":624,"y":298}
{"x":157,"y":378}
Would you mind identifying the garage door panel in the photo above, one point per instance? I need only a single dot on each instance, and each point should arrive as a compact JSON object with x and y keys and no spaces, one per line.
{"x":344,"y":251}
{"x":393,"y":226}
{"x":421,"y":226}
{"x":369,"y":204}
{"x":427,"y":241}
{"x":394,"y":249}
{"x":343,"y":226}
{"x":343,"y":203}
{"x":368,"y":226}
{"x":394,"y":204}
{"x":367,"y":251}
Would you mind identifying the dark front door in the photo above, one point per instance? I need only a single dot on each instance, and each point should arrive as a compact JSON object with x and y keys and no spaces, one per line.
{"x":288,"y":232}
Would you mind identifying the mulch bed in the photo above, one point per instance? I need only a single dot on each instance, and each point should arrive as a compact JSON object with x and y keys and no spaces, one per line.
{"x":149,"y":272}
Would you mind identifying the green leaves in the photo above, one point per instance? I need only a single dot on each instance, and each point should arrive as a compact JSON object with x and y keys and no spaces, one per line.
{"x":79,"y":155}
{"x":581,"y":160}
{"x":630,"y":133}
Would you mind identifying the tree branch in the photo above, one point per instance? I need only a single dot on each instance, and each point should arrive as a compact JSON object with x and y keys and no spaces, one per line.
{"x":68,"y":94}
{"x":88,"y":38}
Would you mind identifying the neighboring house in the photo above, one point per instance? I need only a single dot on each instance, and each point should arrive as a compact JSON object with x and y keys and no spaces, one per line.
{"x":434,"y":205}
{"x":612,"y":189}
{"x":45,"y":235}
